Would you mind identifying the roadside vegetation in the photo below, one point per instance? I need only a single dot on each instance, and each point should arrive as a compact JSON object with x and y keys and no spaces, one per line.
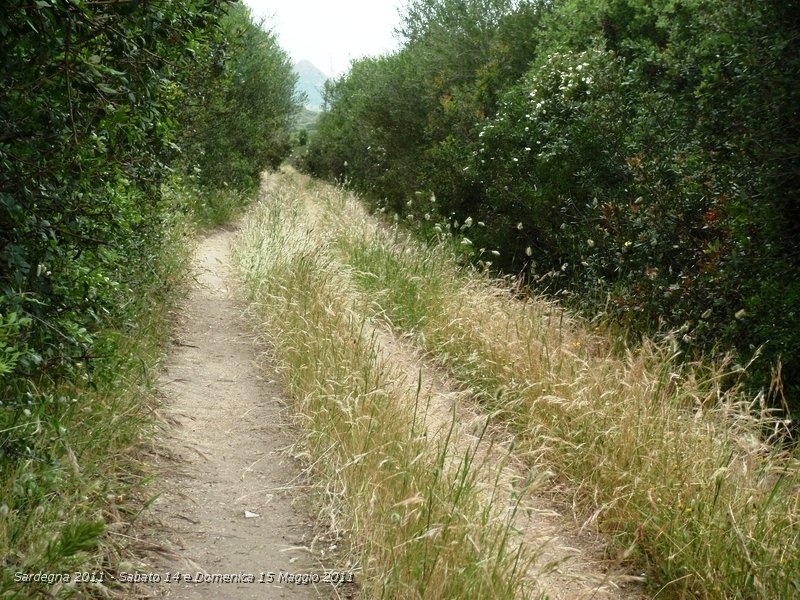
{"x":416,"y":518}
{"x":636,"y":159}
{"x":409,"y":506}
{"x":113,"y":148}
{"x":677,"y":469}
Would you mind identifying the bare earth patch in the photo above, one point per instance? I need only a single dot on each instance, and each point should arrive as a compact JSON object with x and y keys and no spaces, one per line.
{"x":230,"y":502}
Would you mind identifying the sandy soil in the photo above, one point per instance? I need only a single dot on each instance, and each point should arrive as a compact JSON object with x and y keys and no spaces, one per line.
{"x":233,"y":500}
{"x":570,"y":562}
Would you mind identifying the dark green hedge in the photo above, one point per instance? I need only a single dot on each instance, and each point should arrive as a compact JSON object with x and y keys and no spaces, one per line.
{"x":639,"y":156}
{"x":100,"y":103}
{"x":109,"y":112}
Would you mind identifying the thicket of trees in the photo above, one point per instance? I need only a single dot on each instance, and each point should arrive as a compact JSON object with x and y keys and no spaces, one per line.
{"x":100,"y":104}
{"x":105,"y":107}
{"x":241,"y":118}
{"x":639,"y":156}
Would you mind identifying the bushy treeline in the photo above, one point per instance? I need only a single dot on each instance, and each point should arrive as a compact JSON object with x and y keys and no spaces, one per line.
{"x":639,"y":156}
{"x":246,"y":107}
{"x":102,"y":106}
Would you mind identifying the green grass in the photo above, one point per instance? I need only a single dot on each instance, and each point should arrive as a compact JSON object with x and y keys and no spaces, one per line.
{"x":211,"y":208}
{"x":412,"y":510}
{"x":656,"y":454}
{"x":71,"y":481}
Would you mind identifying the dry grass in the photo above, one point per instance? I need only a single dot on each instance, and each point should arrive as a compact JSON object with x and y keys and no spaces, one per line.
{"x":410,"y":507}
{"x":674,"y":468}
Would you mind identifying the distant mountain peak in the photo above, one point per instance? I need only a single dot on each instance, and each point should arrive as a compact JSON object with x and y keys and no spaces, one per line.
{"x":306,"y":64}
{"x":311,"y":81}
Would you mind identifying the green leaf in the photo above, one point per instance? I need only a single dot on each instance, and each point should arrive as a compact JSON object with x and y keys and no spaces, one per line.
{"x":106,"y":89}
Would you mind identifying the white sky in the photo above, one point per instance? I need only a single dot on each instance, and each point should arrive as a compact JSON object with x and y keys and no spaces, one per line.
{"x":331,"y":33}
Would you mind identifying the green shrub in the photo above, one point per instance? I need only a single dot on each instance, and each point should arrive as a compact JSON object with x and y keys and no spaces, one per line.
{"x":637,"y":156}
{"x":238,"y":117}
{"x":95,"y":99}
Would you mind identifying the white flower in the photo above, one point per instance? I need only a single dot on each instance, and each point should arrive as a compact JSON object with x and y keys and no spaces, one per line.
{"x":495,"y":253}
{"x":468,"y":223}
{"x":466,"y":242}
{"x":590,"y":243}
{"x":519,"y":225}
{"x":528,"y":251}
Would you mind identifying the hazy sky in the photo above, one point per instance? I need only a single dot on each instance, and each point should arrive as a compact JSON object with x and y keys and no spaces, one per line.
{"x":330,"y":33}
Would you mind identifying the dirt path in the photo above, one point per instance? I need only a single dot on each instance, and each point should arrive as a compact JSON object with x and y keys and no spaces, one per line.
{"x":230,"y":505}
{"x":230,"y":502}
{"x":570,"y":564}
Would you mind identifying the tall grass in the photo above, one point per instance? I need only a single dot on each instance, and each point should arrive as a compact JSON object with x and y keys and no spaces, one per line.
{"x":71,"y":484}
{"x":410,"y":503}
{"x":208,"y":208}
{"x":677,"y":470}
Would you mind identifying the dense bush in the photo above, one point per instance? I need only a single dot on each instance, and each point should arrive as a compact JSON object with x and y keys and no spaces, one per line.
{"x":239,"y":114}
{"x":92,"y":102}
{"x":639,"y":155}
{"x":86,"y":100}
{"x":101,"y":103}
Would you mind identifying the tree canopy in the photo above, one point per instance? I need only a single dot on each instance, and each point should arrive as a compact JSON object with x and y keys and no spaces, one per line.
{"x":101,"y":104}
{"x":640,"y":157}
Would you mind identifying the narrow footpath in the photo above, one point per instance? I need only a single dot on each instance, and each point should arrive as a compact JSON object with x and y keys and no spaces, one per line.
{"x":233,"y":504}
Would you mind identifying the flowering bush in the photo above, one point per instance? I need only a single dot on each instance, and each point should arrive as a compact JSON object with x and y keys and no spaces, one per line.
{"x":639,"y":155}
